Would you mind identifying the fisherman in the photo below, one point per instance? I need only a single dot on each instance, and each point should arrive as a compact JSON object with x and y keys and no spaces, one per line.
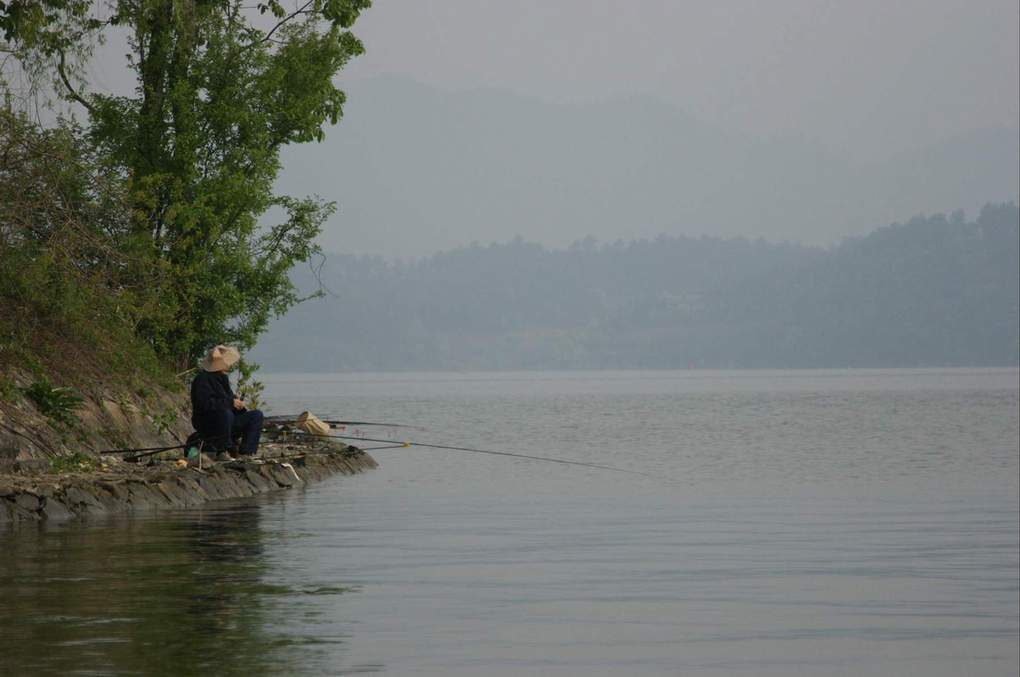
{"x":218,"y":415}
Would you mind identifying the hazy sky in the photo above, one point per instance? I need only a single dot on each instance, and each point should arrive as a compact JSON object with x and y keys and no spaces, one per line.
{"x":867,"y":79}
{"x":864,"y":76}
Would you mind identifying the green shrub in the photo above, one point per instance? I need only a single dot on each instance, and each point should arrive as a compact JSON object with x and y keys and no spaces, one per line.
{"x":54,"y":401}
{"x":9,"y":391}
{"x":165,"y":421}
{"x":74,"y":283}
{"x":76,"y":462}
{"x":248,"y":389}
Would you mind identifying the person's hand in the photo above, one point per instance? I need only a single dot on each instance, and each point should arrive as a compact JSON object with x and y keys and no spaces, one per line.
{"x":238,"y":404}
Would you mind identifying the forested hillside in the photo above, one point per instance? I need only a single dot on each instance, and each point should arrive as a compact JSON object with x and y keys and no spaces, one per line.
{"x":934,"y":291}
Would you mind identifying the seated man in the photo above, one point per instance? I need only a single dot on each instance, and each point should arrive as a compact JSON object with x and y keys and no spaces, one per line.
{"x":218,"y":416}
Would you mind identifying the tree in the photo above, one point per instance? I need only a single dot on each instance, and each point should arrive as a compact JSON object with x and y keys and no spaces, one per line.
{"x":221,"y":88}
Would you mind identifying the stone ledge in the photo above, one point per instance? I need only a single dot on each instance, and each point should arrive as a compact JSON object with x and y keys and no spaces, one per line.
{"x":129,"y":488}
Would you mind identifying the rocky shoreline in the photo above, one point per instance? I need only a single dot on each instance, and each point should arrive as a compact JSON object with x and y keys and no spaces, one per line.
{"x":115,"y":486}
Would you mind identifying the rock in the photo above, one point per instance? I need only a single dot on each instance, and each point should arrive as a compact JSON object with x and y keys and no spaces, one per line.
{"x":211,"y":487}
{"x":120,"y":487}
{"x":27,"y":501}
{"x":143,"y":496}
{"x":19,"y":514}
{"x":196,"y":493}
{"x":175,"y":493}
{"x":81,"y":500}
{"x":55,"y":511}
{"x":8,"y":452}
{"x":257,"y":480}
{"x":116,"y":490}
{"x":241,"y":485}
{"x":109,"y":501}
{"x":115,"y":414}
{"x":283,"y":476}
{"x":32,"y":466}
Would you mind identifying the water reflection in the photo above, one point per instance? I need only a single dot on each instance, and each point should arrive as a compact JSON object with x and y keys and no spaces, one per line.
{"x":823,"y":530}
{"x":172,"y":594}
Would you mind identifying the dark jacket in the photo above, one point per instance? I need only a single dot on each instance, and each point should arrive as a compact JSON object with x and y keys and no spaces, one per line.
{"x":210,"y":392}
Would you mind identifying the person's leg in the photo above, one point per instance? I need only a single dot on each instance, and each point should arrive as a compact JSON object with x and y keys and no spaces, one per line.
{"x":215,"y":427}
{"x":249,"y":425}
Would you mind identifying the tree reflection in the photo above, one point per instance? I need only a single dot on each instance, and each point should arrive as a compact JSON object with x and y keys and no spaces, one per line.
{"x":169,"y":594}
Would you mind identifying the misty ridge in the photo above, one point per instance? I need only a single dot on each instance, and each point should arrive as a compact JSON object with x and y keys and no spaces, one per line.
{"x":935,"y":291}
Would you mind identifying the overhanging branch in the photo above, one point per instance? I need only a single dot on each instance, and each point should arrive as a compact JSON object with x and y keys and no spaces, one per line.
{"x":287,"y":19}
{"x":72,"y":92}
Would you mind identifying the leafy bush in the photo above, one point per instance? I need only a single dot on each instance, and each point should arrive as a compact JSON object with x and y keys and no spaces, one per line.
{"x":165,"y":421}
{"x":73,"y":287}
{"x":8,"y":389}
{"x":54,"y":401}
{"x":76,"y":462}
{"x":248,"y":389}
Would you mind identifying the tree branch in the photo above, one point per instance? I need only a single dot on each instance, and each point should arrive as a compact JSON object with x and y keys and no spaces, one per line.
{"x":72,"y":92}
{"x":297,"y":12}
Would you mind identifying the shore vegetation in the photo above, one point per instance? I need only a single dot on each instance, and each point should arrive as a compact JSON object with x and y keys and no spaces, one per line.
{"x":138,"y":229}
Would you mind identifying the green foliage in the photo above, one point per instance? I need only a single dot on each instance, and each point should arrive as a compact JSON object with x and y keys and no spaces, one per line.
{"x":219,"y":97}
{"x":164,"y":421}
{"x":71,"y":295}
{"x":56,"y":402}
{"x":248,"y":389}
{"x":197,"y":149}
{"x":9,"y":391}
{"x":46,"y":39}
{"x":76,"y":462}
{"x":42,"y":24}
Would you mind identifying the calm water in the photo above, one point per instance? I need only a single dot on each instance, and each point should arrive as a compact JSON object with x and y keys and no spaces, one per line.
{"x":799,"y":523}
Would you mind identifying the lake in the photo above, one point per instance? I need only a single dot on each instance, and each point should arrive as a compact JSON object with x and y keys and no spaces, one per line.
{"x":843,"y":522}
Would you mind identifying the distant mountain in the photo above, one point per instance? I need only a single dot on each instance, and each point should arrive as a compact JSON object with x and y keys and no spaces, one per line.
{"x":935,"y":291}
{"x":417,"y":170}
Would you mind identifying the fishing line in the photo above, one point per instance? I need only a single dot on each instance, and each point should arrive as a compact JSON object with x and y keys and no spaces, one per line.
{"x":397,"y":443}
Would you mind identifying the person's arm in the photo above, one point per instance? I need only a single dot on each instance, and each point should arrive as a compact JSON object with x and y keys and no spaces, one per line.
{"x":235,"y":401}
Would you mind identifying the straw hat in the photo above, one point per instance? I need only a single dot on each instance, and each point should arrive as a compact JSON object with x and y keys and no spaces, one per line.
{"x":220,"y":358}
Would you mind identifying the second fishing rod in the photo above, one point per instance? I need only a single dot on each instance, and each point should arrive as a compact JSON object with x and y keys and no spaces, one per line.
{"x":395,"y":444}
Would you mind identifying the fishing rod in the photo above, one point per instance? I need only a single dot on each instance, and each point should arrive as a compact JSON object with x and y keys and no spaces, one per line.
{"x":407,"y":443}
{"x":143,"y":452}
{"x":293,"y":419}
{"x":403,"y":444}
